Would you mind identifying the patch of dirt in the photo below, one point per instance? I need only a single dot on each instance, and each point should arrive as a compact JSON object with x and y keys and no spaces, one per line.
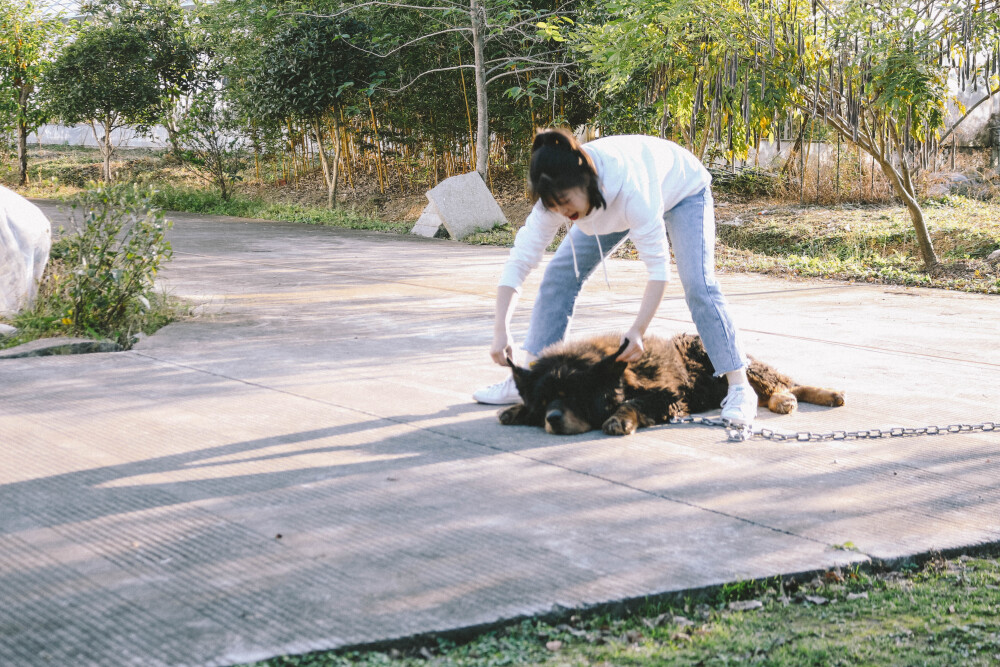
{"x":399,"y":203}
{"x":969,"y":269}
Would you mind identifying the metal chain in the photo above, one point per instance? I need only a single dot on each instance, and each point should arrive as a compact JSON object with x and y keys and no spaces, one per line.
{"x":738,"y":434}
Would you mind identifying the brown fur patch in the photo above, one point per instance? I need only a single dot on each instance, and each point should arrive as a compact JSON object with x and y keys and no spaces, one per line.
{"x":579,"y":386}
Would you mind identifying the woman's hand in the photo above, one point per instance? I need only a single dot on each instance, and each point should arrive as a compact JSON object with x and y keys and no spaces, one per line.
{"x":502,"y":347}
{"x":503,"y":344}
{"x":635,"y":347}
{"x":651,"y":298}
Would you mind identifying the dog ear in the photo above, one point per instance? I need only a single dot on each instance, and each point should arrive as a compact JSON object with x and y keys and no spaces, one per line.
{"x":610,"y":363}
{"x":519,"y":373}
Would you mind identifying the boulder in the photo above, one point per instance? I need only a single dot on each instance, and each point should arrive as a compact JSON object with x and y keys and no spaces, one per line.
{"x":462,"y":204}
{"x":25,"y":240}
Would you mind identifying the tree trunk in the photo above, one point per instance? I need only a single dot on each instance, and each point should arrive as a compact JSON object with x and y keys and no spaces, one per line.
{"x":927,"y":253}
{"x":483,"y":125}
{"x":796,"y":147}
{"x":22,"y":153}
{"x":107,"y":148}
{"x":22,"y":135}
{"x":173,"y":137}
{"x":317,"y":124}
{"x":336,"y":159}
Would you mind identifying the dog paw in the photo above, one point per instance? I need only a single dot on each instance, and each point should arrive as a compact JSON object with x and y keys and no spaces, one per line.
{"x":782,"y":404}
{"x":836,"y":399}
{"x":509,"y":416}
{"x":616,"y":425}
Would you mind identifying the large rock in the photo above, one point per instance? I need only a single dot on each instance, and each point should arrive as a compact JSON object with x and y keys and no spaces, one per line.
{"x":25,"y":240}
{"x":462,"y":204}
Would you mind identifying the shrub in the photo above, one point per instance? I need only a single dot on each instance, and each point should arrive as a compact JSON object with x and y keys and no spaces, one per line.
{"x":99,"y":282}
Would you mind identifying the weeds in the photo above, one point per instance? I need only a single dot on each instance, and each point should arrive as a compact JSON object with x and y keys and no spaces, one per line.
{"x":100,"y":279}
{"x":943,"y":613}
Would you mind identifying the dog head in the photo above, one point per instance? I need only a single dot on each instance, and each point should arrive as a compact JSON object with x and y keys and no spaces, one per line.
{"x":571,"y":393}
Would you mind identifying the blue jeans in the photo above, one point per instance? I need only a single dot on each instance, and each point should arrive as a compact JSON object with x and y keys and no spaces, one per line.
{"x":691,"y":231}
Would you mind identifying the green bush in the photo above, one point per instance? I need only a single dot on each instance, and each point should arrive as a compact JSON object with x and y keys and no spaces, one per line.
{"x":99,"y":282}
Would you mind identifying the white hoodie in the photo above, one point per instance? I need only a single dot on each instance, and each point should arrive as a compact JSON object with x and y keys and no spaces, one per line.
{"x":641,"y":178}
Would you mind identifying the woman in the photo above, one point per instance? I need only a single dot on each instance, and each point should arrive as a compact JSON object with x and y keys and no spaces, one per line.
{"x":643,"y":188}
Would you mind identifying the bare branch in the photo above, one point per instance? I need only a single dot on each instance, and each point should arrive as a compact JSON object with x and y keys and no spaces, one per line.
{"x":969,"y":111}
{"x":519,"y":71}
{"x":380,"y":3}
{"x":409,"y":43}
{"x":423,"y":74}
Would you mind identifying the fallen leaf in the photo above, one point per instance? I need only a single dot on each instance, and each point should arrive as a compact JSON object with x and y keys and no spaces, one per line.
{"x":554,"y":645}
{"x":816,"y":599}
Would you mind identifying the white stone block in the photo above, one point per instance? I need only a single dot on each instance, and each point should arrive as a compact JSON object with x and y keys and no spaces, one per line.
{"x":428,"y":223}
{"x":463,"y":204}
{"x":25,"y":240}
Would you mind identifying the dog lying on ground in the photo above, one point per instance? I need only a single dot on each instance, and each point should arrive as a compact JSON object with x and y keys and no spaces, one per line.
{"x":579,"y":386}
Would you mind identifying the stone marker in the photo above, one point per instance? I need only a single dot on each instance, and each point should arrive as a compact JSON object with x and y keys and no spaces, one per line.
{"x":25,"y":240}
{"x":462,"y":204}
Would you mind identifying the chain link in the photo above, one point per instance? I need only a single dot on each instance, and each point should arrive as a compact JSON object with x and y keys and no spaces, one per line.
{"x":746,"y":433}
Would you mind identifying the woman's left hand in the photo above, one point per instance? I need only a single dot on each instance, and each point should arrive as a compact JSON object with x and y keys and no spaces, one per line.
{"x":635,"y":347}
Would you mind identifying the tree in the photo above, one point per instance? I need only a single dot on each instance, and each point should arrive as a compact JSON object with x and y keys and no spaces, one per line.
{"x":104,"y":78}
{"x":211,"y":133}
{"x":177,"y":53}
{"x":28,"y":41}
{"x":505,"y":36}
{"x":875,"y":72}
{"x":306,"y":70}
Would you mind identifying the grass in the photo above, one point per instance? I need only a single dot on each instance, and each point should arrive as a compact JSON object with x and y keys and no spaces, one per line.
{"x":847,"y":242}
{"x":45,"y":320}
{"x":199,"y":201}
{"x":869,"y":244}
{"x":946,"y":612}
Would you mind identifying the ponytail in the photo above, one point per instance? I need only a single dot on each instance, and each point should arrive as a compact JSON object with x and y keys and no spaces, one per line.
{"x":558,"y":163}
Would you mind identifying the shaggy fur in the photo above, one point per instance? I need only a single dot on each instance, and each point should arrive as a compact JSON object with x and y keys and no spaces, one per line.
{"x":578,"y":386}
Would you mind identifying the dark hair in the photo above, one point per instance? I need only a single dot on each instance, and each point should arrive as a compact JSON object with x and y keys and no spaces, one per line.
{"x":559,"y":164}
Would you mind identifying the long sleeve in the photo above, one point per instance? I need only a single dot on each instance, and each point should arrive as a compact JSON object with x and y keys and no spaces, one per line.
{"x":529,"y":245}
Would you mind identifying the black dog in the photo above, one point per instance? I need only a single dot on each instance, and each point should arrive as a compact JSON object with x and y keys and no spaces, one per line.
{"x":579,"y":386}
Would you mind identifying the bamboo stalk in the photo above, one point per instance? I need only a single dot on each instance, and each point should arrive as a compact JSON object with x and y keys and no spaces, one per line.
{"x":378,"y":149}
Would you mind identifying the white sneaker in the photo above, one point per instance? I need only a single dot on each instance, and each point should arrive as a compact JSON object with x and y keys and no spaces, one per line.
{"x":501,"y":393}
{"x":739,"y":407}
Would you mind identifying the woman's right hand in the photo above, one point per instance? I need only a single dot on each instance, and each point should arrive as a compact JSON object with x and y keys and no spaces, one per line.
{"x":502,"y":347}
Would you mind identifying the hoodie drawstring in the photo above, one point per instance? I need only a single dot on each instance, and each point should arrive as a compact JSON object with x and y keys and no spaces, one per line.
{"x":600,"y":251}
{"x":572,"y":247}
{"x":603,"y":265}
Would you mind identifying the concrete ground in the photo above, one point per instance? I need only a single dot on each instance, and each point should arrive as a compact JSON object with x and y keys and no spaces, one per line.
{"x":299,"y":466}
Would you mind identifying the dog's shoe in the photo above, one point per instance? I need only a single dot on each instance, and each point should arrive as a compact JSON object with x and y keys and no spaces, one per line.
{"x":501,"y":393}
{"x":739,"y":407}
